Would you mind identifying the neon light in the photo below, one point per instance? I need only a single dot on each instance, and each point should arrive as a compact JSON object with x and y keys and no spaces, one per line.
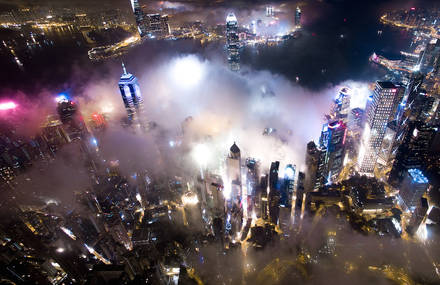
{"x":7,"y":106}
{"x":345,"y":135}
{"x":335,"y":126}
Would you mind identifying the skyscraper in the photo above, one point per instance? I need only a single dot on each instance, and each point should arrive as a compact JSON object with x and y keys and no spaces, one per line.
{"x":297,"y":18}
{"x":413,"y":150}
{"x":288,"y":188}
{"x":131,"y":95}
{"x":232,"y":42}
{"x":382,"y":110}
{"x":269,"y":11}
{"x":157,"y":25}
{"x":413,"y":187}
{"x":274,"y":193}
{"x":315,"y":167}
{"x":342,"y":105}
{"x":332,"y":139}
{"x":233,"y":164}
{"x":72,"y":121}
{"x":139,"y":17}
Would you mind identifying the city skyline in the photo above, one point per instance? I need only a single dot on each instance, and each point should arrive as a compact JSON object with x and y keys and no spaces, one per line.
{"x":220,"y":143}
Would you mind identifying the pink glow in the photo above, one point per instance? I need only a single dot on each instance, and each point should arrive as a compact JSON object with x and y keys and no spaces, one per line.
{"x":7,"y":106}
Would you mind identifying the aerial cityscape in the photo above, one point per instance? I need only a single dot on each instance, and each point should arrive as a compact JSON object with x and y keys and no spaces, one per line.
{"x":219,"y":142}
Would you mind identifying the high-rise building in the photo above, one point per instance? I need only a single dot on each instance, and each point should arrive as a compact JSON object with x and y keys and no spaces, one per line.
{"x":299,"y":197}
{"x":355,"y":120}
{"x":131,"y":95}
{"x":298,"y":17}
{"x":342,"y":105}
{"x":232,"y":42}
{"x":157,"y":25}
{"x":288,"y":188}
{"x":382,"y":110}
{"x":269,"y":11}
{"x":233,"y":165}
{"x":72,"y":122}
{"x":332,"y":139}
{"x":139,"y":17}
{"x":389,"y":145}
{"x":274,"y":192}
{"x":413,"y":187}
{"x":315,"y":167}
{"x":413,"y":150}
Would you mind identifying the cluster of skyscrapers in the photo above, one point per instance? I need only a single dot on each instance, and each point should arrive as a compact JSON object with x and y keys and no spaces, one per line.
{"x":150,"y":25}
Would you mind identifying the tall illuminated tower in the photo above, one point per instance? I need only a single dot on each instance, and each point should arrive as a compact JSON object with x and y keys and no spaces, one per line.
{"x":139,"y":16}
{"x":332,"y":139}
{"x":233,"y":164}
{"x":297,"y":18}
{"x":232,"y":42}
{"x":131,"y":95}
{"x":381,"y":111}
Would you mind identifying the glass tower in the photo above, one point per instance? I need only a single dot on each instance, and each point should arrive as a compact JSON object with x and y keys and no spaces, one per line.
{"x":381,"y":111}
{"x":139,"y":16}
{"x":298,"y":18}
{"x":232,"y":42}
{"x":131,"y":95}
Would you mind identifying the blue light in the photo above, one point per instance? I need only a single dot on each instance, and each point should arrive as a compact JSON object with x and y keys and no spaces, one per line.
{"x":62,"y":97}
{"x":289,"y":172}
{"x":94,"y":142}
{"x":417,"y":176}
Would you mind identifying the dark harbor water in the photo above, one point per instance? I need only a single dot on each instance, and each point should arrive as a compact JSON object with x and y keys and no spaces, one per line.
{"x":333,"y":47}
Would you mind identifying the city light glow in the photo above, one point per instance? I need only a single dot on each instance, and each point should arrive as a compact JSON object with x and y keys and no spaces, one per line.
{"x":190,"y":199}
{"x":201,"y":154}
{"x":7,"y":106}
{"x":68,"y":232}
{"x":61,"y":98}
{"x":187,"y":72}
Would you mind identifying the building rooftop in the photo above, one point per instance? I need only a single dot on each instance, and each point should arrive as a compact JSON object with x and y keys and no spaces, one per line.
{"x":231,"y":18}
{"x":417,"y":176}
{"x":386,"y":84}
{"x":234,"y":148}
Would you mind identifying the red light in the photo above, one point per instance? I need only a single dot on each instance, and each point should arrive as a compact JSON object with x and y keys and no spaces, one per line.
{"x":345,"y":19}
{"x":413,"y":8}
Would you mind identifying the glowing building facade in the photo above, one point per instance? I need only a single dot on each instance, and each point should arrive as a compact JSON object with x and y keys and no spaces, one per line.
{"x":233,"y":164}
{"x":298,"y":17}
{"x":157,"y":25}
{"x":289,"y":185}
{"x":139,"y":17}
{"x":381,"y":110}
{"x":232,"y":42}
{"x":131,"y":95}
{"x":269,"y":11}
{"x":332,"y":139}
{"x":413,"y":187}
{"x":413,"y":150}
